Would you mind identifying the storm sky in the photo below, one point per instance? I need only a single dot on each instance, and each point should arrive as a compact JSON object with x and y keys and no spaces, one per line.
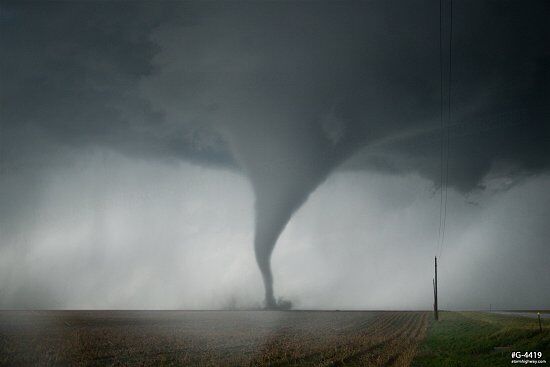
{"x":153,"y":154}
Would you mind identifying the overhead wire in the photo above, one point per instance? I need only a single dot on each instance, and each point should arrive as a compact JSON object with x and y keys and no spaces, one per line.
{"x":445,"y":128}
{"x":448,"y":130}
{"x":441,"y":123}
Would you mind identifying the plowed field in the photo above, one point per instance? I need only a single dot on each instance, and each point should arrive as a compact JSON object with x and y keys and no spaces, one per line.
{"x":210,"y":338}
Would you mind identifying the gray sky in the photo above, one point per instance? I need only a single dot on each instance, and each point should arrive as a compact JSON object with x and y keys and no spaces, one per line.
{"x":153,"y":153}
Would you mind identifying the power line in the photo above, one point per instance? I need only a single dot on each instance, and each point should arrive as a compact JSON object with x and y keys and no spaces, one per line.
{"x":441,"y":122}
{"x":444,"y":127}
{"x":449,"y":121}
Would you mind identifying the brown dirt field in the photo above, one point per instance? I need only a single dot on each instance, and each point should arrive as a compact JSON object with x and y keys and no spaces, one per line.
{"x":210,"y":338}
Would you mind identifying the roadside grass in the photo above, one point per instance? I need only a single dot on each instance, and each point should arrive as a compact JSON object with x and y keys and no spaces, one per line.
{"x":472,"y":339}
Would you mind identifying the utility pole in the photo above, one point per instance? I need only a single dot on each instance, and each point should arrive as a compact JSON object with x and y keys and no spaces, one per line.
{"x":436,"y":311}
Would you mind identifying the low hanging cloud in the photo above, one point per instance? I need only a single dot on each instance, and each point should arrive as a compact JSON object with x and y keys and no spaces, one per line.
{"x":285,"y":93}
{"x":108,"y":233}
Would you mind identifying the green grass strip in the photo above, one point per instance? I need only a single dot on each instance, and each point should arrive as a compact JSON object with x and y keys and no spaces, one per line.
{"x":472,"y":339}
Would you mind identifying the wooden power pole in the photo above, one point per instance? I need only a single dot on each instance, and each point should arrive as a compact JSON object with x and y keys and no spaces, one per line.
{"x":436,"y":311}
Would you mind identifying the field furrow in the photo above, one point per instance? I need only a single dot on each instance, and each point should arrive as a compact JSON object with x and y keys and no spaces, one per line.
{"x":213,"y":338}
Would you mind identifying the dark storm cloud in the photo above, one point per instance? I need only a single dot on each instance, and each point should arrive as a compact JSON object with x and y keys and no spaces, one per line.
{"x":70,"y":74}
{"x":353,"y":73}
{"x":288,"y":91}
